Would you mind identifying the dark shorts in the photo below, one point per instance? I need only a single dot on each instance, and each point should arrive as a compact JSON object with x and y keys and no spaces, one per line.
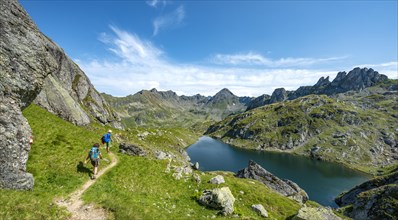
{"x":108,"y":144}
{"x":95,"y":162}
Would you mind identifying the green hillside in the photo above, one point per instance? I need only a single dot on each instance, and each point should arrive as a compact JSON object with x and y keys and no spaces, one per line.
{"x":138,"y":187}
{"x":151,"y":109}
{"x":356,"y":129}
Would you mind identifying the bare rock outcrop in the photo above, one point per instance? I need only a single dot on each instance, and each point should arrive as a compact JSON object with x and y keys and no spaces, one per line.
{"x":285,"y":187}
{"x":374,"y":199}
{"x":68,"y":93}
{"x":26,"y":59}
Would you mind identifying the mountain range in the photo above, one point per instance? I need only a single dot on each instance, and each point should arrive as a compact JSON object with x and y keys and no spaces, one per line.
{"x":352,"y":120}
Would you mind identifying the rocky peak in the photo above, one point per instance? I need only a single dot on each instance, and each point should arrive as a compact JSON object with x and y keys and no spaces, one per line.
{"x":224,"y":93}
{"x":322,"y":82}
{"x":356,"y":80}
{"x":278,"y":95}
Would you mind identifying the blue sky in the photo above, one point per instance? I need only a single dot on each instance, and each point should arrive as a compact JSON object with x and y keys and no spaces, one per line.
{"x":250,"y":47}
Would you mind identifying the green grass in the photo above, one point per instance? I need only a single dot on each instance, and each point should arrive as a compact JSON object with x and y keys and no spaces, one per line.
{"x":54,"y":159}
{"x":139,"y":188}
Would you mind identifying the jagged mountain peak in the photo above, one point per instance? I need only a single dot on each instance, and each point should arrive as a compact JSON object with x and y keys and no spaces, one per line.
{"x":355,"y":80}
{"x":224,"y":93}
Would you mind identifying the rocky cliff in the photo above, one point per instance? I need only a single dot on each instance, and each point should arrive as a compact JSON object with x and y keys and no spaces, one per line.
{"x":26,"y":59}
{"x":374,"y":199}
{"x":68,"y":93}
{"x":34,"y":68}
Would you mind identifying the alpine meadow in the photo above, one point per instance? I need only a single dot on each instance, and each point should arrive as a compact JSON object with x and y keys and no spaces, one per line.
{"x":199,"y":110}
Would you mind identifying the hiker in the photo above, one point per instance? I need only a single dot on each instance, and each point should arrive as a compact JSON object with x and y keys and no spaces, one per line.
{"x":94,"y":155}
{"x":106,"y":139}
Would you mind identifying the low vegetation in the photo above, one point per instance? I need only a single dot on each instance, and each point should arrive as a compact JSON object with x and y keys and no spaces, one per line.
{"x":138,"y":187}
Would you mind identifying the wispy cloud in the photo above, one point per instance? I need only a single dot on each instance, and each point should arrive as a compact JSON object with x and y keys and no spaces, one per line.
{"x":156,"y":3}
{"x":141,"y":65}
{"x":130,"y":48}
{"x":389,"y":69}
{"x":253,"y":58}
{"x":171,"y":20}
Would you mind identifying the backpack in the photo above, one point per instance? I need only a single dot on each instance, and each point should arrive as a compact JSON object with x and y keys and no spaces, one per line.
{"x":103,"y":139}
{"x":94,"y":153}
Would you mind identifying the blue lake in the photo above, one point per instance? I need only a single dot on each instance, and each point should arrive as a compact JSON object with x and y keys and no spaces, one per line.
{"x":322,"y":181}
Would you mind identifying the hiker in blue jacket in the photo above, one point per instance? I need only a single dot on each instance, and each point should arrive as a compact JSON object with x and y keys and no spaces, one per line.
{"x":107,"y":139}
{"x":94,"y":155}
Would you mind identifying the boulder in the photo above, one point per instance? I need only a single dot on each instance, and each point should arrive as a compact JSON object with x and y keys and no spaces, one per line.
{"x":315,"y":213}
{"x":160,"y":155}
{"x":285,"y":187}
{"x":219,"y":198}
{"x":131,"y":150}
{"x":260,"y":210}
{"x":196,"y":166}
{"x":217,"y":180}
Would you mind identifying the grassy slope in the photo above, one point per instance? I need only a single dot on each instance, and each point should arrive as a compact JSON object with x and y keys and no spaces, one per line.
{"x":131,"y":188}
{"x":139,"y":188}
{"x":54,"y":159}
{"x":274,"y":125}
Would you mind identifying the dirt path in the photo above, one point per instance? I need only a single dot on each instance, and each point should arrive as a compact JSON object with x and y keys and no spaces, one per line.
{"x":74,"y":204}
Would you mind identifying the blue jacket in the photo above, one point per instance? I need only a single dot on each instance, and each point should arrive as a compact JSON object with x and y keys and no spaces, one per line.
{"x":107,"y":137}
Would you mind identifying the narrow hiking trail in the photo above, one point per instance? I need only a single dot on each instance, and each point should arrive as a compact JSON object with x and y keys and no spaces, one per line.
{"x":75,"y":205}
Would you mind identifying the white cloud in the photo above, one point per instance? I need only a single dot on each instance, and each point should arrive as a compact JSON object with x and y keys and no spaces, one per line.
{"x":389,"y":69}
{"x":171,"y":20}
{"x":156,"y":3}
{"x":253,"y":58}
{"x":141,"y":65}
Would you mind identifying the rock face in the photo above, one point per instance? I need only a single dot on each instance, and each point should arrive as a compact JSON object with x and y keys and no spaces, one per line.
{"x":312,"y":213}
{"x":259,"y":101}
{"x":131,"y":150}
{"x":30,"y":61}
{"x":279,"y":95}
{"x":26,"y":58}
{"x":68,"y":93}
{"x":285,"y":187}
{"x":374,"y":199}
{"x":219,"y":198}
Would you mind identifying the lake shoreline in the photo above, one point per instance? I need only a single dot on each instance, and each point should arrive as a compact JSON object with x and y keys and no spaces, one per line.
{"x":293,"y":152}
{"x":332,"y":178}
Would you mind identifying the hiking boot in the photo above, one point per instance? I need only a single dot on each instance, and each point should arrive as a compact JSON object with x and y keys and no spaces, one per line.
{"x":93,"y":177}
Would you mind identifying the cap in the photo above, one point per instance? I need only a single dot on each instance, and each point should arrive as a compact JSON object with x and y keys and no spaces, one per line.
{"x":110,"y":131}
